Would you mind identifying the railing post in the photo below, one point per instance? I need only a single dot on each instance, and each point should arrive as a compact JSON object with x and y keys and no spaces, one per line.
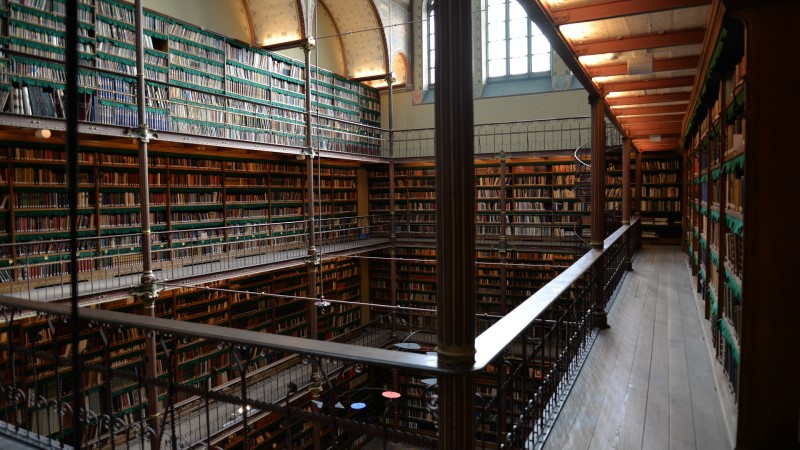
{"x":455,"y":217}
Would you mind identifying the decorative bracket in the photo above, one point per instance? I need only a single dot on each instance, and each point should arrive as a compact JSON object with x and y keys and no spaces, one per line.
{"x":502,"y":156}
{"x":147,"y":290}
{"x":312,"y":260}
{"x":142,"y":133}
{"x":503,"y":247}
{"x":309,"y":152}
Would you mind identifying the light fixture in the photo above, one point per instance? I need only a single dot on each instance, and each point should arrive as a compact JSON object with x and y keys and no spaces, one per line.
{"x":43,"y":133}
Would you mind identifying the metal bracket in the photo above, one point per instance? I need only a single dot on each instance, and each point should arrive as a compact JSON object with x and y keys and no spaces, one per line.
{"x":142,"y":133}
{"x":502,"y":247}
{"x":147,"y":290}
{"x":502,"y":156}
{"x":312,"y":260}
{"x":309,"y":152}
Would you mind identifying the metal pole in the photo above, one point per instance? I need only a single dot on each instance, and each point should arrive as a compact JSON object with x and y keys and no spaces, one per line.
{"x":598,"y":171}
{"x":312,"y":260}
{"x":455,"y":222}
{"x":626,"y":198}
{"x":392,"y":216}
{"x":148,"y":288}
{"x":73,"y":171}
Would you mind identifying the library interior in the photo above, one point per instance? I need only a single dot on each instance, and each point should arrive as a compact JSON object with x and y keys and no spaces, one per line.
{"x":398,"y":224}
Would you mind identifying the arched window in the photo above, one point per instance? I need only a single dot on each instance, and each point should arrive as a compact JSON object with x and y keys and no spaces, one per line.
{"x":431,"y":36}
{"x":514,"y":44}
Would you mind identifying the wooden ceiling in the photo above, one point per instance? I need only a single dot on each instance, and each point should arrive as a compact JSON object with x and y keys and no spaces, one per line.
{"x":640,"y":56}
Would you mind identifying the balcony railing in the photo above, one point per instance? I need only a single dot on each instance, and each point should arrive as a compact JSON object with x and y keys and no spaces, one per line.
{"x":527,"y":137}
{"x":270,"y":394}
{"x":110,"y":264}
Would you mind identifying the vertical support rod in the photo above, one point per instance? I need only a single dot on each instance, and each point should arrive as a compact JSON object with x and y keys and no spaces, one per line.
{"x":626,"y":181}
{"x":598,"y":170}
{"x":73,"y":172}
{"x":392,"y":216}
{"x":315,"y":388}
{"x":312,"y":247}
{"x":637,"y":202}
{"x":455,"y":218}
{"x":144,"y":186}
{"x":148,"y":278}
{"x":503,"y":241}
{"x":626,"y":199}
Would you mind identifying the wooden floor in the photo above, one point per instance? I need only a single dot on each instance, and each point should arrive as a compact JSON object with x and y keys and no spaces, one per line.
{"x":647,"y":382}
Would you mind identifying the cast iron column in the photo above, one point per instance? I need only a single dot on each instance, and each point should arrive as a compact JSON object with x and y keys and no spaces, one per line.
{"x":147,"y":289}
{"x":73,"y":174}
{"x":637,"y":202}
{"x":626,"y":197}
{"x":455,"y":218}
{"x":598,"y":170}
{"x":392,"y":217}
{"x":312,"y":260}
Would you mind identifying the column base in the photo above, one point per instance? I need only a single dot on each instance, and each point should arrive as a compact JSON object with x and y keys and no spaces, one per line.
{"x":628,"y":265}
{"x":600,"y":319}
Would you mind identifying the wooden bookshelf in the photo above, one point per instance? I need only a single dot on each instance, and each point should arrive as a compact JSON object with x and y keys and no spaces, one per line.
{"x":661,"y":198}
{"x":715,"y":215}
{"x":197,"y":82}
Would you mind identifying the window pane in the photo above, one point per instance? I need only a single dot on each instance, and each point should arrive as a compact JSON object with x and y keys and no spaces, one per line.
{"x":497,"y":50}
{"x":518,"y":27}
{"x":496,"y":31}
{"x":496,"y":14}
{"x":539,"y":44}
{"x":432,"y":59}
{"x":519,"y":47}
{"x":497,"y":68}
{"x":541,"y":62}
{"x":519,"y":65}
{"x":516,"y":10}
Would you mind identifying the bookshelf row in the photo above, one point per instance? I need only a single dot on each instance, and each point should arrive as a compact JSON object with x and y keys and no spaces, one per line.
{"x":198,"y":82}
{"x":192,"y":198}
{"x":527,"y":271}
{"x":715,"y":237}
{"x":539,"y":195}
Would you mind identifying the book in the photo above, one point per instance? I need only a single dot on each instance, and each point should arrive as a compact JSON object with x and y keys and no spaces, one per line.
{"x":26,"y":101}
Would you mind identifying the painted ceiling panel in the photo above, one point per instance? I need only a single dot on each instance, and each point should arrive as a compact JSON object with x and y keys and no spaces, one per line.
{"x":637,"y":25}
{"x":275,"y":21}
{"x":650,"y":76}
{"x":676,"y":51}
{"x":361,"y":35}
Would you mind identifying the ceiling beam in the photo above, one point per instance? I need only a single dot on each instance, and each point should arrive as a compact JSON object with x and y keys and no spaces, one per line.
{"x":656,"y":83}
{"x":625,"y":44}
{"x":647,"y":99}
{"x":664,"y":136}
{"x":540,"y":16}
{"x":617,"y":8}
{"x":659,"y":65}
{"x":645,"y":110}
{"x":653,"y":128}
{"x":626,"y":121}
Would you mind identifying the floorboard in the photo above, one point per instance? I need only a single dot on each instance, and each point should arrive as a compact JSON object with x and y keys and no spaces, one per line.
{"x":647,"y":382}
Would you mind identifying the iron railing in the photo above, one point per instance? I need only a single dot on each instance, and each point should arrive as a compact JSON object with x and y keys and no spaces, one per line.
{"x":527,"y":137}
{"x":39,"y":270}
{"x":257,"y":388}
